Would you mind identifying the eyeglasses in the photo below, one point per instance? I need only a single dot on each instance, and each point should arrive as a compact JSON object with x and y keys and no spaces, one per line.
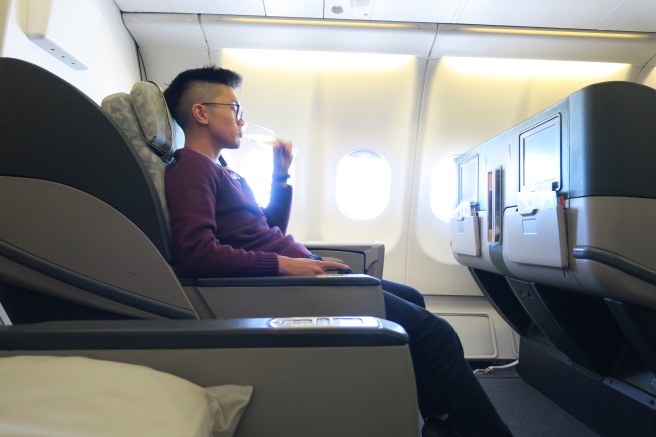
{"x":239,"y":111}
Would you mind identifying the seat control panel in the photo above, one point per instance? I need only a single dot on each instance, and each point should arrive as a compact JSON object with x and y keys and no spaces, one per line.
{"x":315,"y":322}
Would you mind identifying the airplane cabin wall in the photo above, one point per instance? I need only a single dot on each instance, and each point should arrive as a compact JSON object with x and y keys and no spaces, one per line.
{"x":413,"y":112}
{"x":92,"y":30}
{"x":331,"y":104}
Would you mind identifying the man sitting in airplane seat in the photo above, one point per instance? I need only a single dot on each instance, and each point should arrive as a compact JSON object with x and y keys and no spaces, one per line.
{"x":219,"y":230}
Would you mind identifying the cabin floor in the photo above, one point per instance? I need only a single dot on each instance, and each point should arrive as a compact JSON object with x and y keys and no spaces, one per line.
{"x":526,"y":411}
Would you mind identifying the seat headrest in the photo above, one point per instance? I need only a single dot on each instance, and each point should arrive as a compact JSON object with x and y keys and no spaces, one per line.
{"x":154,"y":118}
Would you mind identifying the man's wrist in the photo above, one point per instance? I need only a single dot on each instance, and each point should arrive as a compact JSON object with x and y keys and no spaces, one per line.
{"x":280,"y":177}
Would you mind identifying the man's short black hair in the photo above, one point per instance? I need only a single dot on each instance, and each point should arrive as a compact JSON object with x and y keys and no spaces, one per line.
{"x":183,"y":81}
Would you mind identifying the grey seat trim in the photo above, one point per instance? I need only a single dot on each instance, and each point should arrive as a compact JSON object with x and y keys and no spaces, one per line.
{"x":95,"y":287}
{"x":616,"y":261}
{"x":285,"y":281}
{"x":194,"y":334}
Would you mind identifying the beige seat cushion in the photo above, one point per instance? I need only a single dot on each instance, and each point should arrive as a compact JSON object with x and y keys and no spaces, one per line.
{"x":77,"y":396}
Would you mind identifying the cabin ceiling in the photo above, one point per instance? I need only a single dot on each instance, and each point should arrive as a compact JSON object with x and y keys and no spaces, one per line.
{"x":607,"y":15}
{"x":425,"y":28}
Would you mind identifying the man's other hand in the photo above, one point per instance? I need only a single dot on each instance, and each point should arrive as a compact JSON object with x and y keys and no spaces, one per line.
{"x":306,"y":266}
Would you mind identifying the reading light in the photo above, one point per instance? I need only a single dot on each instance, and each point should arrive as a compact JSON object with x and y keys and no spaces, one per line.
{"x":327,"y":23}
{"x":532,"y":67}
{"x":541,"y":32}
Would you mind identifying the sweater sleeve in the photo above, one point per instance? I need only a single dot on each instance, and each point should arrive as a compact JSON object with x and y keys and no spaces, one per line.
{"x":191,"y":188}
{"x":279,"y":208}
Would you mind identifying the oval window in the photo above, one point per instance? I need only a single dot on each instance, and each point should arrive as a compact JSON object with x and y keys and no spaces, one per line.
{"x":363,"y":182}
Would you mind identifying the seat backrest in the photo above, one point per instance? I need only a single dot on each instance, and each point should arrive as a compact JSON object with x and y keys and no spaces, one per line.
{"x":81,"y":221}
{"x":145,"y":120}
{"x":73,"y":142}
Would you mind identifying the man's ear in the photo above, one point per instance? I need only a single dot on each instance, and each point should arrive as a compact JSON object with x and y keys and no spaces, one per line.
{"x":199,"y":113}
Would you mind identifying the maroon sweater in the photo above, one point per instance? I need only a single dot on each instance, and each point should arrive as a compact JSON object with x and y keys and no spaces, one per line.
{"x":217,"y":227}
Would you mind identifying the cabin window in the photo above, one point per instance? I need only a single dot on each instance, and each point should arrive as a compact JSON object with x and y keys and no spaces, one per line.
{"x":363,"y":182}
{"x":256,"y":167}
{"x":444,"y":188}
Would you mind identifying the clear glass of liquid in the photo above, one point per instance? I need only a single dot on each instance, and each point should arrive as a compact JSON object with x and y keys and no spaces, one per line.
{"x":259,"y":135}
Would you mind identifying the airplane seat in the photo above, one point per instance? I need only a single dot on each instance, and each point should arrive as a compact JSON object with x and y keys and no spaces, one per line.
{"x":554,"y":224}
{"x":144,"y":117}
{"x":164,"y":377}
{"x":83,"y":228}
{"x":147,"y":123}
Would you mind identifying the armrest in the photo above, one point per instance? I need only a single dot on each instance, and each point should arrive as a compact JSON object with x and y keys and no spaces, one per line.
{"x":358,"y":374}
{"x":284,"y":281}
{"x":362,"y":256}
{"x":286,"y":296}
{"x":201,"y":334}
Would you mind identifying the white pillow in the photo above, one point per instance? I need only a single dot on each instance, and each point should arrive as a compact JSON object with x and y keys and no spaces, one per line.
{"x":77,"y":396}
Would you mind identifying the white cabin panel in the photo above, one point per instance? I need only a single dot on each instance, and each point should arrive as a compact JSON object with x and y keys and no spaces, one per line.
{"x":427,"y":11}
{"x":166,"y":31}
{"x":193,"y":6}
{"x":640,"y":18}
{"x":486,"y":12}
{"x":90,"y":29}
{"x":294,"y":8}
{"x":241,"y":7}
{"x":162,"y":65}
{"x":146,"y":5}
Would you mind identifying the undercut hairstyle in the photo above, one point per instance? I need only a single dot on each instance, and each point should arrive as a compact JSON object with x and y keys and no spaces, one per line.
{"x":197,"y":86}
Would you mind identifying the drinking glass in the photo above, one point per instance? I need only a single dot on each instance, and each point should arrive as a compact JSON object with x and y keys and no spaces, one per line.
{"x":259,"y":135}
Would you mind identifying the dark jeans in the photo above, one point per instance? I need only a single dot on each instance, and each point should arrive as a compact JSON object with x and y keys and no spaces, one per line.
{"x":445,"y":382}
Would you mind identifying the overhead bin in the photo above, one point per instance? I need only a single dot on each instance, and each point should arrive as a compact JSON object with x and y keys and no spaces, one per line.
{"x":213,"y":32}
{"x":547,"y":44}
{"x":318,"y":35}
